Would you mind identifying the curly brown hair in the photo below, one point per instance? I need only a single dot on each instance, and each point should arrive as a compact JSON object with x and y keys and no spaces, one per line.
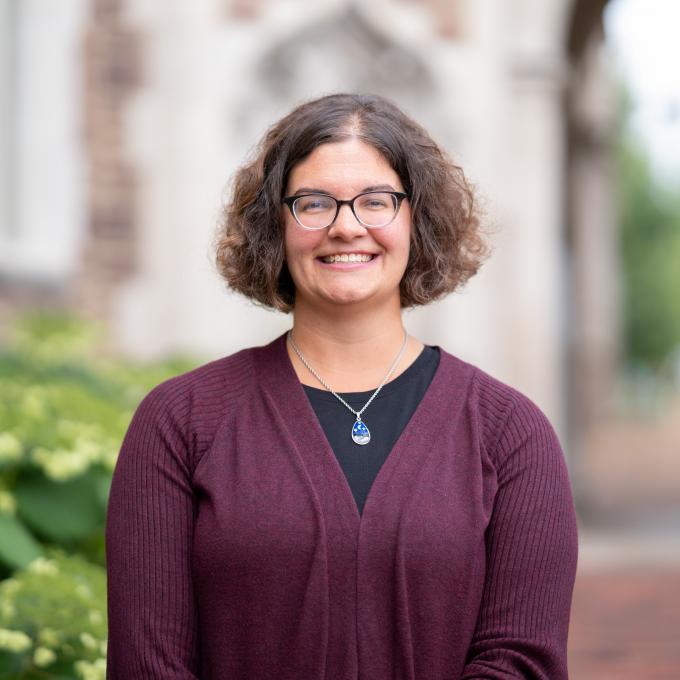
{"x":447,"y":247}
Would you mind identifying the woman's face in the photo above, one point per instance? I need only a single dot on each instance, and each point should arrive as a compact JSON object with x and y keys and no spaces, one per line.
{"x":343,"y":170}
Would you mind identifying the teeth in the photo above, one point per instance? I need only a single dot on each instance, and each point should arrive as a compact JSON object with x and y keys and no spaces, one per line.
{"x":352,"y":257}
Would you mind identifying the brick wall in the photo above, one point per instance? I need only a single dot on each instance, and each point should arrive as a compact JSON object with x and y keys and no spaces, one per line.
{"x":111,"y":72}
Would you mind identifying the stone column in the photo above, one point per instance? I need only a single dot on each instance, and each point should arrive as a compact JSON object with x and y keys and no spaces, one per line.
{"x":536,"y":296}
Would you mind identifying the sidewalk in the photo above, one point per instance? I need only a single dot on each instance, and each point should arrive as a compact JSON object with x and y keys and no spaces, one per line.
{"x":625,"y":620}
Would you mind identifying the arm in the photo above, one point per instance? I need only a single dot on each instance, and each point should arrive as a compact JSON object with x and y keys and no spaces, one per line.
{"x":153,"y":629}
{"x":531,"y":548}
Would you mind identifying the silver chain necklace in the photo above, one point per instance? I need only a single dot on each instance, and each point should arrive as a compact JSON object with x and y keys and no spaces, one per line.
{"x":360,"y":433}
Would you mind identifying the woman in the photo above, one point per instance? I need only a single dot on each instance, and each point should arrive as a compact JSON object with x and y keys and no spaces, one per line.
{"x":343,"y":502}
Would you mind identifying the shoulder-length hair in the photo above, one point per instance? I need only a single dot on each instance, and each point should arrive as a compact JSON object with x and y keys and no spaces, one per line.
{"x":446,"y":247}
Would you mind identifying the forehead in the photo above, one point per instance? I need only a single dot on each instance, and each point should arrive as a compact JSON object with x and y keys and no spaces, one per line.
{"x":349,"y":165}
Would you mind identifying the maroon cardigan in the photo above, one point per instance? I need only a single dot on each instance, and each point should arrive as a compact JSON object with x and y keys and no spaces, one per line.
{"x":235,"y":550}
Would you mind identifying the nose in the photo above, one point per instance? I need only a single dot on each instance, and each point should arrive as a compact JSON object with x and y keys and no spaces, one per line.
{"x":346,"y":226}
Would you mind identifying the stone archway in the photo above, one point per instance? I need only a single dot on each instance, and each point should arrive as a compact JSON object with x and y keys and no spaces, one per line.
{"x":343,"y":51}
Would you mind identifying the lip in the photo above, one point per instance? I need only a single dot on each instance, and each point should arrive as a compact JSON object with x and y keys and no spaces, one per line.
{"x":348,"y":252}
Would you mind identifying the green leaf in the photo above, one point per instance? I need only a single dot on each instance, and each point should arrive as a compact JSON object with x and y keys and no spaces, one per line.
{"x":17,"y":545}
{"x":11,"y":664}
{"x":102,"y":485}
{"x":61,"y":511}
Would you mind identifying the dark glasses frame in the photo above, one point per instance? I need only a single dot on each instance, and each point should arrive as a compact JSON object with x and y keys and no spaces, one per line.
{"x":290,"y":200}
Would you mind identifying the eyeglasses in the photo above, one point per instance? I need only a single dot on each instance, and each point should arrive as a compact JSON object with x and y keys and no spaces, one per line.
{"x":372,"y":209}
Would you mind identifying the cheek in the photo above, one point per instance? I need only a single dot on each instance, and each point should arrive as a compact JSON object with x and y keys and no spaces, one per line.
{"x":400,"y":241}
{"x":298,"y":244}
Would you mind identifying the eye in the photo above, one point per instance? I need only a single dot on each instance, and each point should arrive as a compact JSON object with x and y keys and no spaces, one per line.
{"x":375,"y":201}
{"x":315,"y":203}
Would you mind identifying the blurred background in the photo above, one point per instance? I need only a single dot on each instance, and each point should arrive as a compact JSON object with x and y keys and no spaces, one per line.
{"x":121,"y":124}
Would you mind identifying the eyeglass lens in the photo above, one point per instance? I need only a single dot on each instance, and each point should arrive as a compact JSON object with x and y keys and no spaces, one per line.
{"x":316,"y":211}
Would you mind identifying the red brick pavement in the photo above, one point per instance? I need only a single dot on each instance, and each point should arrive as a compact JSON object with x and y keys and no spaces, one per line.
{"x":625,"y":623}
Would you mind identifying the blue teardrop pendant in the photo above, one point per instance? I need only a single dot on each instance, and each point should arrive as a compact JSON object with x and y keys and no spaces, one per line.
{"x":360,"y":433}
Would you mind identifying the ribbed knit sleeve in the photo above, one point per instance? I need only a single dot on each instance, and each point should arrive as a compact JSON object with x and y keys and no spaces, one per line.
{"x":152,"y":616}
{"x":152,"y":612}
{"x":531,"y":547}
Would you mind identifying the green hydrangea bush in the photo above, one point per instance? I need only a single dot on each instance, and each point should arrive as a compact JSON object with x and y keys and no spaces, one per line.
{"x":53,"y":619}
{"x":64,"y":408}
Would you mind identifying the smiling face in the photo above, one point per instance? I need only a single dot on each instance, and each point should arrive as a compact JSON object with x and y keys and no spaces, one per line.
{"x":343,"y":170}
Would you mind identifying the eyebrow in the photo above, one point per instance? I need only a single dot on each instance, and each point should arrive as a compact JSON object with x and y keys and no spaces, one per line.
{"x":313,"y":190}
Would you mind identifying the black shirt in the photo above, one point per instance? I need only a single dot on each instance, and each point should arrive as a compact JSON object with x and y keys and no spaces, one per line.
{"x":386,"y":417}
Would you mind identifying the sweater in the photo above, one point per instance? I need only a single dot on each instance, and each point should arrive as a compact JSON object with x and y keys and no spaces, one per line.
{"x":235,"y":549}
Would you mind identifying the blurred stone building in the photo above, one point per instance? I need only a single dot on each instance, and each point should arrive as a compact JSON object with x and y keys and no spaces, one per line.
{"x":123,"y":120}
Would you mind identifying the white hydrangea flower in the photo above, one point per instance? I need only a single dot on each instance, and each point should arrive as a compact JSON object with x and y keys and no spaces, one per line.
{"x":88,"y":640}
{"x":43,"y":657}
{"x":109,"y":456}
{"x":10,"y":447}
{"x":14,"y":640}
{"x":61,"y":464}
{"x":91,"y":671}
{"x":95,"y":616}
{"x":41,"y":565}
{"x":88,"y":449}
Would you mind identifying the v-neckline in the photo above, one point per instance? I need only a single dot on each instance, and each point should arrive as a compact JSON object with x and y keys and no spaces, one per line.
{"x":277,"y":373}
{"x":360,"y":398}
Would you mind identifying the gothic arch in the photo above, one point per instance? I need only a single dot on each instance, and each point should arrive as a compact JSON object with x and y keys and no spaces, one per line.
{"x":343,"y":51}
{"x":364,"y":55}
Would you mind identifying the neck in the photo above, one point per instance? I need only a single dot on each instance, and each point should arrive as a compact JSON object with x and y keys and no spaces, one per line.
{"x":351,"y":352}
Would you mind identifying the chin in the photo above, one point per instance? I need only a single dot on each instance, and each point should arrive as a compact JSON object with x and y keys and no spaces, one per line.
{"x":357,"y":297}
{"x":349,"y":299}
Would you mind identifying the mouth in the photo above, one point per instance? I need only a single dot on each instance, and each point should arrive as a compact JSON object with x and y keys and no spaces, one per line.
{"x":347,"y":258}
